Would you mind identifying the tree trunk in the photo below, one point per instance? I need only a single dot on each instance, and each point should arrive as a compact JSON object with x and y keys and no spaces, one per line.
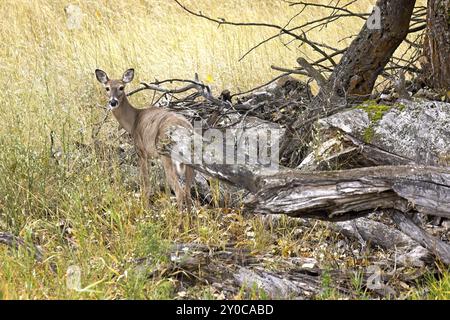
{"x":437,"y":45}
{"x":373,"y":47}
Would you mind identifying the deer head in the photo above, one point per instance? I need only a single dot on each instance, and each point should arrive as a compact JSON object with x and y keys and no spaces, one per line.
{"x":115,"y":88}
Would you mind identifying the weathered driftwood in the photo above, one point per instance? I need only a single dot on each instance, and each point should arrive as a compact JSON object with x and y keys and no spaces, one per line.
{"x":405,"y":133}
{"x":373,"y":232}
{"x":407,"y":226}
{"x":332,"y":195}
{"x":408,"y":252}
{"x":233,"y":270}
{"x":345,"y":194}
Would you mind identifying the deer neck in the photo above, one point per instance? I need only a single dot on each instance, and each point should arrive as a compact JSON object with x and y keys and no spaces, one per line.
{"x":126,"y":115}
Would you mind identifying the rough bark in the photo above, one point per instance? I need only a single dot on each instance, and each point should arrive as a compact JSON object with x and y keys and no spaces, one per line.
{"x":437,"y":45}
{"x":231,"y":270}
{"x":374,"y":232}
{"x":347,"y":194}
{"x":407,"y":226}
{"x":336,"y":195}
{"x":369,"y":53}
{"x":408,"y":252}
{"x":407,"y":133}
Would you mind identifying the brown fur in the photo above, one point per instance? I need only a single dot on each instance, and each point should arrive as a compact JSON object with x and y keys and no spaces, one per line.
{"x":147,"y":127}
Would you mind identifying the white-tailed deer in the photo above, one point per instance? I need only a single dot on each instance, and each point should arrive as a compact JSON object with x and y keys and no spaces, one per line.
{"x":147,"y":127}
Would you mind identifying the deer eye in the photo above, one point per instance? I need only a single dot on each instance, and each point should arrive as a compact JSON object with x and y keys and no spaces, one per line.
{"x":107,"y":88}
{"x":121,"y":88}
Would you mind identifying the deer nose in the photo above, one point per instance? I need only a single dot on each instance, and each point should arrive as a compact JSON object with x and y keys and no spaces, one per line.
{"x":113,"y":103}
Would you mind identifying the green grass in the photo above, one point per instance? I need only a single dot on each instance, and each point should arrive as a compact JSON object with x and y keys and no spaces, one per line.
{"x":434,"y":287}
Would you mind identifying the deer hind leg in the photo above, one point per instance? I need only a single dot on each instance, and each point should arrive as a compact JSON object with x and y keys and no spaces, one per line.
{"x":177,"y":180}
{"x":144,"y":177}
{"x":189,"y":180}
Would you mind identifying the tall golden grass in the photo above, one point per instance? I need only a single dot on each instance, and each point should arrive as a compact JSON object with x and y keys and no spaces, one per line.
{"x":47,"y":67}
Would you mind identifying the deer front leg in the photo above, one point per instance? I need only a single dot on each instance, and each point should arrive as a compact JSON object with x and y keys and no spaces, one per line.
{"x":144,"y":177}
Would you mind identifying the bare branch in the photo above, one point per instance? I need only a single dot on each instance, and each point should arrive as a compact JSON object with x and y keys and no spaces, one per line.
{"x":255,"y":24}
{"x":321,"y":81}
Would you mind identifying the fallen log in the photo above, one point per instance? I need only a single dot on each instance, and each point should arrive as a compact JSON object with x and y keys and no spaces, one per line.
{"x":407,"y":226}
{"x":278,"y":286}
{"x":347,"y":194}
{"x":404,"y":134}
{"x":407,"y":132}
{"x":408,"y":252}
{"x":236,"y":270}
{"x":329,"y":195}
{"x":373,"y":232}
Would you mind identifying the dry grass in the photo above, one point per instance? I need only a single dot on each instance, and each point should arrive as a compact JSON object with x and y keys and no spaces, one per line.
{"x":81,"y":212}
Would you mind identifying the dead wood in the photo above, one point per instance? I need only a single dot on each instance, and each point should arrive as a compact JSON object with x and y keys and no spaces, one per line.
{"x":408,"y":252}
{"x":316,"y":75}
{"x":404,"y":133}
{"x":348,"y":193}
{"x":418,"y":257}
{"x":278,"y":285}
{"x":337,"y":195}
{"x":232,"y":269}
{"x":407,"y":226}
{"x":373,"y":232}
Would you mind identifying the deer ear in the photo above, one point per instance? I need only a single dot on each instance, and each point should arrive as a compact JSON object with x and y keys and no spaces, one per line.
{"x":101,"y":76}
{"x":128,"y":76}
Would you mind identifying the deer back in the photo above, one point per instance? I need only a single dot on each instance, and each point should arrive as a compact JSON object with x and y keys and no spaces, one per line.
{"x":152,"y":125}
